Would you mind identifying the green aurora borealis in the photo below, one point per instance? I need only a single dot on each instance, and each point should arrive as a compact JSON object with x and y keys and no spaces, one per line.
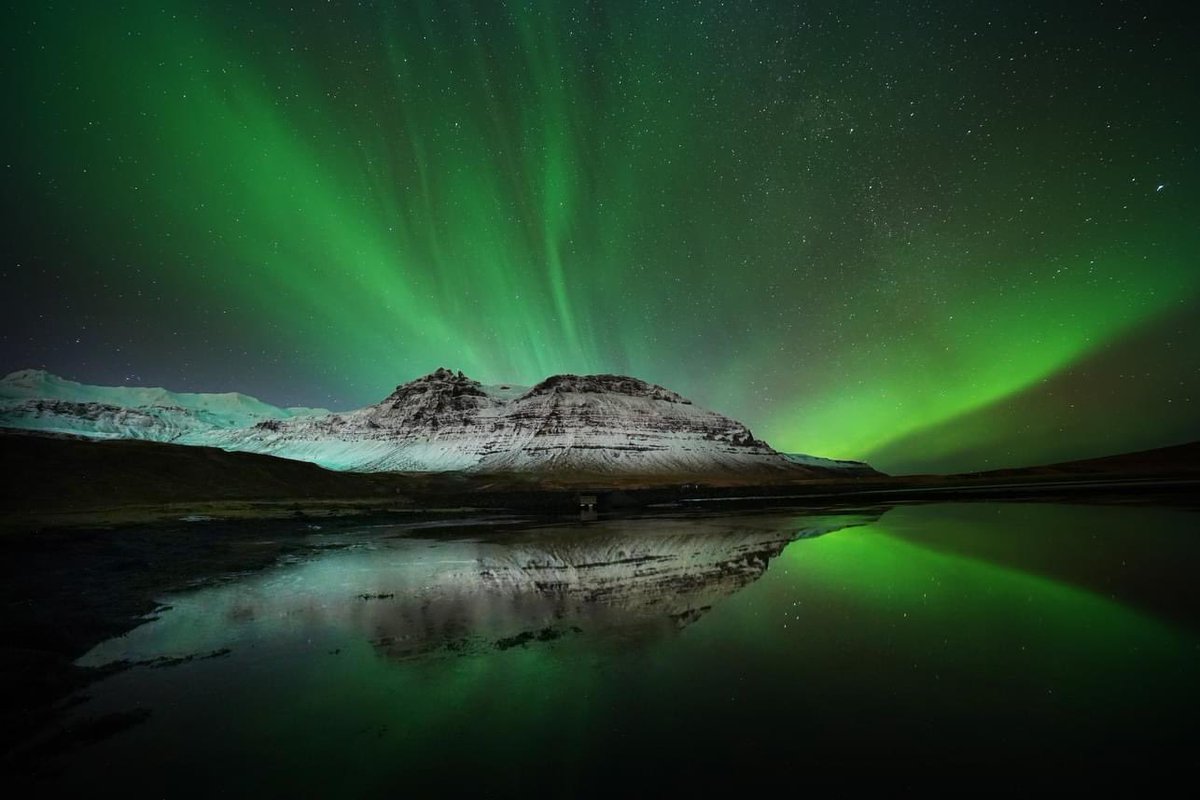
{"x":935,"y":236}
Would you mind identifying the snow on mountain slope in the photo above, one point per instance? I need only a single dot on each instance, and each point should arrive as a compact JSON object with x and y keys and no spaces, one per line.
{"x":833,"y":464}
{"x":446,"y":421}
{"x":36,"y":400}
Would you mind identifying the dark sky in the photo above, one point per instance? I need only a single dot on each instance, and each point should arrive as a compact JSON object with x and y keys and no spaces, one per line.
{"x":939,"y":235}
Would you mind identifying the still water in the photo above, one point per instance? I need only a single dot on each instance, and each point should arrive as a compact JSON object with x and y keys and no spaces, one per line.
{"x":560,"y":658}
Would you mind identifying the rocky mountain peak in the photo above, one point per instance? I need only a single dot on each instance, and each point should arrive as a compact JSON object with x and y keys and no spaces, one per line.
{"x":440,"y":381}
{"x":443,"y":374}
{"x":439,"y":392}
{"x":605,"y":384}
{"x":441,"y":421}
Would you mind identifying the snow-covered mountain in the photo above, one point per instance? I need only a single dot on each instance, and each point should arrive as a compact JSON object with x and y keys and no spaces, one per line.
{"x":447,"y":421}
{"x":33,"y":399}
{"x":834,"y":464}
{"x":441,"y":422}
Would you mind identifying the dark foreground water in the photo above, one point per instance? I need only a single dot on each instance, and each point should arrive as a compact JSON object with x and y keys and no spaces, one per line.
{"x":921,"y":642}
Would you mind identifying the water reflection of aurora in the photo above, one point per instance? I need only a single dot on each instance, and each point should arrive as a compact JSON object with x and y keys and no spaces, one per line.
{"x":946,"y":632}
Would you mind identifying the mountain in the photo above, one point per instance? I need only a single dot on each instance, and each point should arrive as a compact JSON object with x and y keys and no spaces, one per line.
{"x":36,"y":400}
{"x":444,"y":421}
{"x":837,"y":465}
{"x":592,"y":423}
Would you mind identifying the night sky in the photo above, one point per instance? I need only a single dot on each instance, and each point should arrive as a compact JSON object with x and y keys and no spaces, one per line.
{"x":935,"y":235}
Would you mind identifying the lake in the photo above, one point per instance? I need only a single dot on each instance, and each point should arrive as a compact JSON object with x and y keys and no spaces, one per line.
{"x":815,"y":646}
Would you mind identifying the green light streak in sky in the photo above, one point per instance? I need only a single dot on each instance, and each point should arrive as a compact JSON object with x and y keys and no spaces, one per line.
{"x":845,"y":251}
{"x":986,"y":349}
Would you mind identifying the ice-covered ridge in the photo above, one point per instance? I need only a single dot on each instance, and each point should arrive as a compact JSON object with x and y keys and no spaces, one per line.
{"x":835,"y":464}
{"x":610,"y":424}
{"x":36,"y":400}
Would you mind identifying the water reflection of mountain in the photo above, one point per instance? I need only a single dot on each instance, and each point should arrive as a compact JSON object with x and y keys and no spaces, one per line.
{"x":631,"y":579}
{"x":624,"y":579}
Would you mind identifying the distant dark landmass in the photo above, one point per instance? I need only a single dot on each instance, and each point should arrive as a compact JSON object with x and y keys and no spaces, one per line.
{"x":71,"y":474}
{"x":1180,"y":459}
{"x":63,"y":480}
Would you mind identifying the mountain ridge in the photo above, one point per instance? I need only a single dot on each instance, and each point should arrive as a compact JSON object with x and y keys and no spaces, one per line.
{"x":440,"y":422}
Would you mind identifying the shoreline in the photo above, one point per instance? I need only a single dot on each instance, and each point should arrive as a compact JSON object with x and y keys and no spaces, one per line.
{"x":560,"y":503}
{"x":57,"y":483}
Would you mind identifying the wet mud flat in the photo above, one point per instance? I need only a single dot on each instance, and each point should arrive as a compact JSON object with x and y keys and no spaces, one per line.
{"x":64,"y":590}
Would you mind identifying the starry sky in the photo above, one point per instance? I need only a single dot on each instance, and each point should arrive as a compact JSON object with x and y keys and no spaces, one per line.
{"x":938,"y":235}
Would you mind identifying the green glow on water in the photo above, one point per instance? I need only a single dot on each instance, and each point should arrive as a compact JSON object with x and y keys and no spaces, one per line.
{"x":925,"y":634}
